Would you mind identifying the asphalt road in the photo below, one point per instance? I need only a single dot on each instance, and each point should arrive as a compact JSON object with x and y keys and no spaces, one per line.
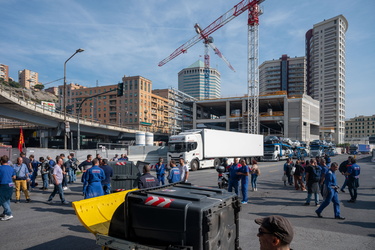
{"x":39,"y":225}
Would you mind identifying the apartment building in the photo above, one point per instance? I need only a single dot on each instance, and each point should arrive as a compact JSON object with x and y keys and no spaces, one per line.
{"x":360,"y":127}
{"x":4,"y":72}
{"x":138,"y":108}
{"x":27,"y":78}
{"x":191,"y":81}
{"x":325,"y":60}
{"x":285,"y":74}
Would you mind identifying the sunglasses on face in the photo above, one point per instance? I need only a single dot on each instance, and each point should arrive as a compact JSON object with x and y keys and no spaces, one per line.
{"x":261,"y":232}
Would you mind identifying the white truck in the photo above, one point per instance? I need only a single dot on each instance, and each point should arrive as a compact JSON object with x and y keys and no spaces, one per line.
{"x":202,"y":148}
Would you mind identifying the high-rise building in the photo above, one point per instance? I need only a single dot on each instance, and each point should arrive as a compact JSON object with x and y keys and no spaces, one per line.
{"x":4,"y":72}
{"x":286,"y":74}
{"x":325,"y":58}
{"x":27,"y":78}
{"x":191,"y":81}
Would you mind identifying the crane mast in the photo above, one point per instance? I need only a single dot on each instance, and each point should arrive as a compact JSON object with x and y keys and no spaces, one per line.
{"x":253,"y":44}
{"x":253,"y":71}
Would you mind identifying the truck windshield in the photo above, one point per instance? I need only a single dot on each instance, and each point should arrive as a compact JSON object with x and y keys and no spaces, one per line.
{"x":269,"y":148}
{"x":177,"y":147}
{"x":314,"y":147}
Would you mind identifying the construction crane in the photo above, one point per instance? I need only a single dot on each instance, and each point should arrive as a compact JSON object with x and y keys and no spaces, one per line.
{"x":253,"y":43}
{"x":209,"y":42}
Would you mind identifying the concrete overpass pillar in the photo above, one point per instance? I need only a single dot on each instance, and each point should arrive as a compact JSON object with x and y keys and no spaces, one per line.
{"x":43,"y":138}
{"x":227,"y":115}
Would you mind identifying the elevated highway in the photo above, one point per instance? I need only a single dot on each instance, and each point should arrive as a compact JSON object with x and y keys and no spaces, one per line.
{"x":16,"y":107}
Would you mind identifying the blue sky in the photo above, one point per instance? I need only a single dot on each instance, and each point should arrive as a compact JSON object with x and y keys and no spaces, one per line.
{"x":130,"y":37}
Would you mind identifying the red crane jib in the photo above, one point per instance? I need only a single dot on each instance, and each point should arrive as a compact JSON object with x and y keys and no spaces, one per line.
{"x":238,"y":9}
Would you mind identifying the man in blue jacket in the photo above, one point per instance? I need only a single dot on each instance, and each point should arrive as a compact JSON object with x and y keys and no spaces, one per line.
{"x":174,"y":173}
{"x":92,"y":180}
{"x":7,"y":174}
{"x":234,"y":179}
{"x":160,"y":171}
{"x":108,"y":172}
{"x":244,"y":173}
{"x":330,"y":193}
{"x":353,"y":179}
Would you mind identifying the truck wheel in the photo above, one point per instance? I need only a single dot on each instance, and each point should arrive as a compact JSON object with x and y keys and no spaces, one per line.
{"x":217,"y":162}
{"x":194,"y":165}
{"x":278,"y":158}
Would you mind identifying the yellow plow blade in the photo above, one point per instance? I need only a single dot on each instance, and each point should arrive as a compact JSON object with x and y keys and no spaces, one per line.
{"x":96,"y":213}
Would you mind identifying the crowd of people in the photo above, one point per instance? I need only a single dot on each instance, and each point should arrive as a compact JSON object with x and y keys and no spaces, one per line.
{"x":58,"y":172}
{"x":239,"y":173}
{"x":173,"y":171}
{"x":317,"y":176}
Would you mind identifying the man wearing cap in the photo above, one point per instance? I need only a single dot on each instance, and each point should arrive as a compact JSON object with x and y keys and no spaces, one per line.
{"x":275,"y":232}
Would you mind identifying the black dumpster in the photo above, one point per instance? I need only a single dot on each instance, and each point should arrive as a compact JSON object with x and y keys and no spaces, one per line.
{"x":180,"y":216}
{"x":125,"y":175}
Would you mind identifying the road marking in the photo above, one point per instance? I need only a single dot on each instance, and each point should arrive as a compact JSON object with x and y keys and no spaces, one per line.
{"x":274,"y":170}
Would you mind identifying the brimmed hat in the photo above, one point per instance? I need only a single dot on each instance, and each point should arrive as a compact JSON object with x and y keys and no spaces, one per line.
{"x":279,"y":226}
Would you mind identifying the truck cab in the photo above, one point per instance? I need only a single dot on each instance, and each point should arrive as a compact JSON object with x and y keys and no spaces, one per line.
{"x":187,"y":146}
{"x":276,"y":152}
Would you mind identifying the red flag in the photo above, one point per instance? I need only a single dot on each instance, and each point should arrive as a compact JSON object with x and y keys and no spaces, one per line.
{"x":21,"y":141}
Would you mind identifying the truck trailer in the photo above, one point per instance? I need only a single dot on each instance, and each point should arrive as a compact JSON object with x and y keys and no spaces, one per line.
{"x":355,"y":149}
{"x":203,"y":148}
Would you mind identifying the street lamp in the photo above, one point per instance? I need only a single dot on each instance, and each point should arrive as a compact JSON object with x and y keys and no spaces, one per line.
{"x":65,"y":96}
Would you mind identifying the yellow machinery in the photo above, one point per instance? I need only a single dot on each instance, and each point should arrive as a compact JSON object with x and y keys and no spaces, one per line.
{"x":96,"y":213}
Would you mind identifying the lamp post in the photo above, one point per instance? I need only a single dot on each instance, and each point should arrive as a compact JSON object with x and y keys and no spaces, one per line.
{"x":65,"y":96}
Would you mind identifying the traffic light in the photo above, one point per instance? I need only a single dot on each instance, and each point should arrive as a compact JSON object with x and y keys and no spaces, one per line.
{"x":120,"y":89}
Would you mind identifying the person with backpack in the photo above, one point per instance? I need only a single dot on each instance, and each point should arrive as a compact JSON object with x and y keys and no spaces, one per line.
{"x":35,"y":166}
{"x":288,"y":171}
{"x":343,"y":169}
{"x":313,"y":176}
{"x":52,"y":164}
{"x":44,"y":170}
{"x":74,"y":167}
{"x":298,"y":173}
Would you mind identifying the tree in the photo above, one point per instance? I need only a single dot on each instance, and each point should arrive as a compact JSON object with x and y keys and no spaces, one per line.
{"x":14,"y":84}
{"x":39,"y":86}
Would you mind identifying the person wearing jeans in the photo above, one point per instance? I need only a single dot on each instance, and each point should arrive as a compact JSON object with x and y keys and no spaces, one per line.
{"x":311,"y":183}
{"x":254,"y":175}
{"x":7,"y":174}
{"x":244,"y":173}
{"x":57,"y":181}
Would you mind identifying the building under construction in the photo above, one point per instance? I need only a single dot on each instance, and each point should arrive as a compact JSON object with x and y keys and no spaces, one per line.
{"x":294,"y":117}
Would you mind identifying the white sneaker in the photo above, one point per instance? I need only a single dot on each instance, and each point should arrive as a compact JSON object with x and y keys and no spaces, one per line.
{"x":51,"y":185}
{"x":7,"y":217}
{"x":65,"y":188}
{"x":255,"y":189}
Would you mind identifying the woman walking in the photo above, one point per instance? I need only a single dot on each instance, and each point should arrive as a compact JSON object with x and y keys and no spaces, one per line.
{"x":255,"y":172}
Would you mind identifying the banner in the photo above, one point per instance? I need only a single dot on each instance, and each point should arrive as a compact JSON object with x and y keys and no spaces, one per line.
{"x":21,"y":141}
